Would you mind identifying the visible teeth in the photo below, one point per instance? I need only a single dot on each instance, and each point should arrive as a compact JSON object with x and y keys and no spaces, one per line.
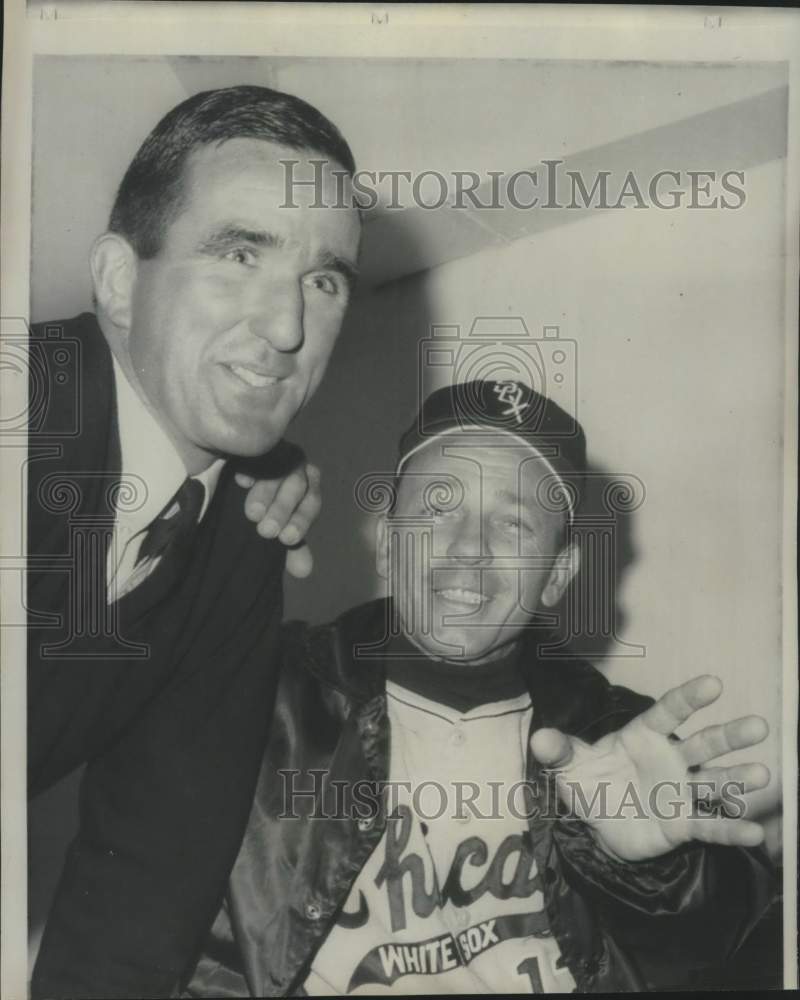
{"x":253,"y":378}
{"x":461,"y":596}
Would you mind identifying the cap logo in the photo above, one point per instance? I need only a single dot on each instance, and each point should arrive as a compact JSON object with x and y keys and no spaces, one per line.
{"x":511,"y":393}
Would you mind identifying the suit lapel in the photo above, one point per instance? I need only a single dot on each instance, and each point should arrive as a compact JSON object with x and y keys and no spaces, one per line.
{"x":168,"y":574}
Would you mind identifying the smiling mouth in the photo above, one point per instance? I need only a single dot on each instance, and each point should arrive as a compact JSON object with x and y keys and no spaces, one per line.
{"x":463,"y":595}
{"x":253,"y":378}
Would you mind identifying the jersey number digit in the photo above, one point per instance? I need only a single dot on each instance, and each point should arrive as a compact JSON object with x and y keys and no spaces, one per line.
{"x":530,"y":968}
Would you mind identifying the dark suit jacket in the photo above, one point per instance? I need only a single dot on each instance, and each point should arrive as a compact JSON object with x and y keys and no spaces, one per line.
{"x":166,"y":695}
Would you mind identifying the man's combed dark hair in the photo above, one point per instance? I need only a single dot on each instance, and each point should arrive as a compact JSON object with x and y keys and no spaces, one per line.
{"x":152,"y":190}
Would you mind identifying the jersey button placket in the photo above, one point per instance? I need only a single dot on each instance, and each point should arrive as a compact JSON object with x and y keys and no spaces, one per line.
{"x":458,"y":738}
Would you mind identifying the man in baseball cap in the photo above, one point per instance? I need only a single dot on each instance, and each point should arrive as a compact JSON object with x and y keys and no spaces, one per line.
{"x":491,"y":472}
{"x":415,"y":827}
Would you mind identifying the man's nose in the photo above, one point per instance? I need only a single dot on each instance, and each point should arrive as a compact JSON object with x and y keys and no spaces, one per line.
{"x":469,"y":543}
{"x":277,"y":317}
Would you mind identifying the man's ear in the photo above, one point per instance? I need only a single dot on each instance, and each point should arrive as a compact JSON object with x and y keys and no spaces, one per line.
{"x":567,"y":564}
{"x":113,"y":264}
{"x":381,"y":550}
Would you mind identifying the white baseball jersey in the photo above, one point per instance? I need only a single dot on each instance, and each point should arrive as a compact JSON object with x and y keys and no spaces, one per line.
{"x":447,"y":904}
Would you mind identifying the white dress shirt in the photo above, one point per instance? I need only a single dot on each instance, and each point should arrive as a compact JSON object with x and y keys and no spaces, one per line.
{"x":152,"y":472}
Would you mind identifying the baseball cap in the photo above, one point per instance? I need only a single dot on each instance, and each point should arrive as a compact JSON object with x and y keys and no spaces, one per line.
{"x":508,"y":407}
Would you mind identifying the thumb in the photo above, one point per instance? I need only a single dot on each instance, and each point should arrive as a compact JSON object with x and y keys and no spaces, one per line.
{"x":551,"y":747}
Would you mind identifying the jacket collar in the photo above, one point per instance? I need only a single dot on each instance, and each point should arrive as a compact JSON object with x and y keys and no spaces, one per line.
{"x":76,"y":433}
{"x":92,"y":413}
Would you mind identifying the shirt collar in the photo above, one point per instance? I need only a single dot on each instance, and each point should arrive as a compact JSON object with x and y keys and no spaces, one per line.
{"x":434,"y":706}
{"x":209,"y":478}
{"x":150,"y":460}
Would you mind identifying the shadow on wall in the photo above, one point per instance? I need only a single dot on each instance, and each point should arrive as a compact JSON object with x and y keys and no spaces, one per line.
{"x":590,"y":618}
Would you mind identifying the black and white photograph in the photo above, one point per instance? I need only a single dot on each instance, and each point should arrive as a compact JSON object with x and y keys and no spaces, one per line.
{"x":399,"y":491}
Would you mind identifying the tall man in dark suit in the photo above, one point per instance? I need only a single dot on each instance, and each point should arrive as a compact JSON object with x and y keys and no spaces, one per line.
{"x":153,"y":605}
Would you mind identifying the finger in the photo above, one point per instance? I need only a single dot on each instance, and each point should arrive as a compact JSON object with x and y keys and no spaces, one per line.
{"x":720,"y":830}
{"x":747,"y":777}
{"x":713,"y":741}
{"x":290,"y":492}
{"x":299,"y":562}
{"x":675,"y":707}
{"x":313,"y":475}
{"x":551,"y":748}
{"x":259,"y":498}
{"x":243,"y":479}
{"x":304,"y":516}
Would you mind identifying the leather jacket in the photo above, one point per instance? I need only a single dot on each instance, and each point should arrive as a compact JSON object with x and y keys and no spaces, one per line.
{"x":621,"y":926}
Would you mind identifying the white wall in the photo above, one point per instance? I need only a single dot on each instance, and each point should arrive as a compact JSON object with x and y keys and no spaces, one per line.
{"x":91,"y":114}
{"x":89,"y":120}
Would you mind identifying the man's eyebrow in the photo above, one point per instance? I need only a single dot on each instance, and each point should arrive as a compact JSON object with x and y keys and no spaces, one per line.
{"x":230,"y":235}
{"x":508,"y":496}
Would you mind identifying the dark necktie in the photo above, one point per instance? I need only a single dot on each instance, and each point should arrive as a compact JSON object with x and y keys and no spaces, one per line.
{"x":176,"y":521}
